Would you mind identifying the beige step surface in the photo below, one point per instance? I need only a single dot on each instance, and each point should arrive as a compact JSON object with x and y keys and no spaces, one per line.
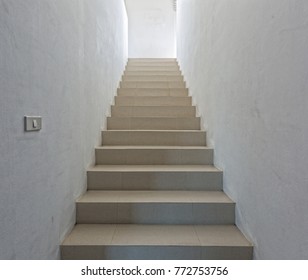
{"x":153,"y":72}
{"x":152,"y":63}
{"x":154,"y":155}
{"x":186,"y":197}
{"x":159,"y":168}
{"x":160,"y":123}
{"x":155,"y":177}
{"x":196,"y":242}
{"x":152,"y":68}
{"x":155,"y":207}
{"x":153,"y":101}
{"x":158,"y":92}
{"x":153,"y":111}
{"x":154,"y":137}
{"x":167,"y":84}
{"x":152,"y":78}
{"x":161,"y":65}
{"x":151,"y":59}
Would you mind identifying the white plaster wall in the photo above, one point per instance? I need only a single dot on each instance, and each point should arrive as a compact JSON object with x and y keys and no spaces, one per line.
{"x":61,"y":59}
{"x":151,"y":28}
{"x":246,"y":64}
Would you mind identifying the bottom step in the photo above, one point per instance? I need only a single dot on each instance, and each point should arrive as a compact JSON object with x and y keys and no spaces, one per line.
{"x":160,"y":242}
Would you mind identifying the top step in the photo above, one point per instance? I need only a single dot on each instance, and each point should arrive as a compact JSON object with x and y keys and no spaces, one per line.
{"x":152,"y":63}
{"x":152,"y":68}
{"x":152,"y":60}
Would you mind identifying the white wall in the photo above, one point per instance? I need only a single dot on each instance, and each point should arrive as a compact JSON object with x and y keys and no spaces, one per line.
{"x":246,"y":64}
{"x":151,"y":28}
{"x":61,"y":59}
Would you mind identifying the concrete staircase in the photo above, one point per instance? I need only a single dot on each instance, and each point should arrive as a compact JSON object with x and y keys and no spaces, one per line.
{"x":154,"y":192}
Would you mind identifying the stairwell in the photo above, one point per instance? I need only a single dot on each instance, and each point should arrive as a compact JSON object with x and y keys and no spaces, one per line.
{"x":154,"y":192}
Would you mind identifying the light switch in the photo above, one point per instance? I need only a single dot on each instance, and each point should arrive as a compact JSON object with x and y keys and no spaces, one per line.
{"x":33,"y":123}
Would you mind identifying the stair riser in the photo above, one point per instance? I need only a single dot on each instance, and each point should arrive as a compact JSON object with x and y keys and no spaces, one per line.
{"x":152,"y":78}
{"x":108,"y":180}
{"x":147,"y":73}
{"x":153,"y":157}
{"x":155,"y":253}
{"x":154,"y":111}
{"x":153,"y":123}
{"x":151,"y":59}
{"x":166,"y":85}
{"x":152,"y":101}
{"x":153,"y":92}
{"x":156,"y":213}
{"x":152,"y":68}
{"x":154,"y":138}
{"x":153,"y":63}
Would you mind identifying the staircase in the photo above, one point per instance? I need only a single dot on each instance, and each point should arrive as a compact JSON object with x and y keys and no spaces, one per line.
{"x":154,"y":192}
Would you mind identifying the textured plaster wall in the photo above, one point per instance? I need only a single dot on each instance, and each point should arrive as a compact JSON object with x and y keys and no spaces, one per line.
{"x":246,"y":64}
{"x":151,"y":28}
{"x":62,"y":60}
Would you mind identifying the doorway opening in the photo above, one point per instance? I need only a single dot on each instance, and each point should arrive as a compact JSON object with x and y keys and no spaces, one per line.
{"x":151,"y":28}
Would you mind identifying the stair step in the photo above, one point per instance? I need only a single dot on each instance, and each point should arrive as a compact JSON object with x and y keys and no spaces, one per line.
{"x":154,"y":137}
{"x":153,"y":111}
{"x":155,"y":155}
{"x":156,"y":92}
{"x":154,"y":72}
{"x":155,"y":177}
{"x":152,"y":60}
{"x":149,"y":242}
{"x":152,"y":68}
{"x":146,"y":123}
{"x":153,"y":101}
{"x":152,"y":78}
{"x":153,"y":64}
{"x":155,"y":207}
{"x":153,"y":84}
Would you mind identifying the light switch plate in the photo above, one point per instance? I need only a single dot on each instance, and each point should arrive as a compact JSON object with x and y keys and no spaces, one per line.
{"x":33,"y":123}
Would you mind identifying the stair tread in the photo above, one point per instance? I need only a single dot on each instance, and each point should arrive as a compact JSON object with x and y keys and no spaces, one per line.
{"x":153,"y":101}
{"x":157,"y":130}
{"x":155,"y":117}
{"x":156,"y":90}
{"x":155,"y":197}
{"x":148,"y":73}
{"x":153,"y":111}
{"x":155,"y":75}
{"x":154,"y":148}
{"x":151,"y":106}
{"x":155,"y":235}
{"x":154,"y":97}
{"x":154,"y":168}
